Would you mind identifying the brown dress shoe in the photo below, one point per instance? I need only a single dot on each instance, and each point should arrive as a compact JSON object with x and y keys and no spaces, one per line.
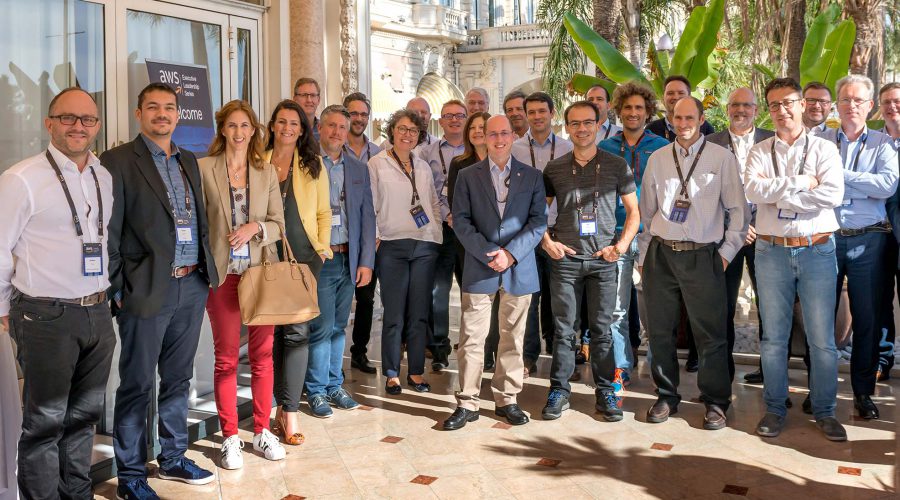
{"x":660,"y":412}
{"x":714,"y":418}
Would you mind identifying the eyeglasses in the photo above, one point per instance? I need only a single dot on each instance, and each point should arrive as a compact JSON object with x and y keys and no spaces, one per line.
{"x":504,"y":134}
{"x":890,"y":102}
{"x":784,"y":103}
{"x":454,"y":116}
{"x":357,"y":114}
{"x":810,"y":101}
{"x":855,"y":102}
{"x":307,"y":95}
{"x":406,"y":130}
{"x":577,"y":125}
{"x":748,"y":105}
{"x":87,"y":120}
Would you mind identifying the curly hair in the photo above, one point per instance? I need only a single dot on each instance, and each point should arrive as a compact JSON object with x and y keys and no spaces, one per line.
{"x":307,"y":148}
{"x":256,"y":149}
{"x":413,"y":117}
{"x":623,"y":92}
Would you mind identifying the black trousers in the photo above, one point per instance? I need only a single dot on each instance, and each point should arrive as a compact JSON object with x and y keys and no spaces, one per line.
{"x":362,"y":317}
{"x":290,"y":352}
{"x":65,"y":352}
{"x":439,"y":315}
{"x":406,"y":269}
{"x":698,"y":278}
{"x":166,"y":344}
{"x":733,"y":275}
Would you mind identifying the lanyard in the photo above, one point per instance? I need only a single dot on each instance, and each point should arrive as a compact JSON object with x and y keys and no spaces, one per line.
{"x":552,"y":149}
{"x":232,"y":191}
{"x":684,"y":180}
{"x":443,"y":164}
{"x":862,"y":144}
{"x":410,"y":176}
{"x":65,"y":188}
{"x":334,"y":164}
{"x":596,"y":183}
{"x":505,"y":184}
{"x":635,"y":155}
{"x":608,"y":129}
{"x":802,"y":158}
{"x":286,"y":186}
{"x":187,"y":190}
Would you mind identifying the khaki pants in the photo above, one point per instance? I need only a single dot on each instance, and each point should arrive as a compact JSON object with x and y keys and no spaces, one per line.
{"x":509,"y":372}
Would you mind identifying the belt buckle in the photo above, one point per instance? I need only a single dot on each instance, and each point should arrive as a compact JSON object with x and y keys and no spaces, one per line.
{"x":84,"y":299}
{"x":675,"y":246}
{"x":176,"y":270}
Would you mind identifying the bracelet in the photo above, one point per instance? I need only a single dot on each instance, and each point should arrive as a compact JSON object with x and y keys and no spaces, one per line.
{"x":616,"y":250}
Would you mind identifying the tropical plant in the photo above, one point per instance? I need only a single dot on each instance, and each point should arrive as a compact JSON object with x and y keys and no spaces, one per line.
{"x":827,"y":49}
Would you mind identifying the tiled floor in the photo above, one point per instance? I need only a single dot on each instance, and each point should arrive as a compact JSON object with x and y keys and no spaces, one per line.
{"x":393,"y":448}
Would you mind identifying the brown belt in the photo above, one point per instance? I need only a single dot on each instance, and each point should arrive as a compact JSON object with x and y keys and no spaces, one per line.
{"x":88,"y":300}
{"x":181,"y":272}
{"x":681,"y":246}
{"x":342,"y":248}
{"x":796,"y":241}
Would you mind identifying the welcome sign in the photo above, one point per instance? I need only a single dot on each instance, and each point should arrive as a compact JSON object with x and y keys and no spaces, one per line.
{"x":196,"y":126}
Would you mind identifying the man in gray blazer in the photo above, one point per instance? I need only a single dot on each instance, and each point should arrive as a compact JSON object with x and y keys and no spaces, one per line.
{"x":499,"y":216}
{"x":740,"y":136}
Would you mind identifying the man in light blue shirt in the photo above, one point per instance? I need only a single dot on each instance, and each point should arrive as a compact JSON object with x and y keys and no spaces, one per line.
{"x":599,"y":97}
{"x":870,"y":178}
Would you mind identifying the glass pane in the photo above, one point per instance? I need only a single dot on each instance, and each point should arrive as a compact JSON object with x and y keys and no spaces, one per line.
{"x":170,"y":39}
{"x":244,"y":66}
{"x":48,"y":45}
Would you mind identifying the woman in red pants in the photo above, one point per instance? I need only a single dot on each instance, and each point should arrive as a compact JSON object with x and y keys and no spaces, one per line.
{"x":245,"y":214}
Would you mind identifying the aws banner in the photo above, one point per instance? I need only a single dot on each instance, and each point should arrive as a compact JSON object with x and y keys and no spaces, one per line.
{"x":196,"y":125}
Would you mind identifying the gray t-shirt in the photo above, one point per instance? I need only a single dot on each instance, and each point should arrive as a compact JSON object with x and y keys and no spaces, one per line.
{"x":594,"y":188}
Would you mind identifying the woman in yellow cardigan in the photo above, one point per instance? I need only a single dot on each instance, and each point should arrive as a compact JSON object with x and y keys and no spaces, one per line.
{"x":307,"y":213}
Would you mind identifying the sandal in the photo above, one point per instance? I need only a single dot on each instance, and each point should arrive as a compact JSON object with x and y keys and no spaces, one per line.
{"x":295,"y":439}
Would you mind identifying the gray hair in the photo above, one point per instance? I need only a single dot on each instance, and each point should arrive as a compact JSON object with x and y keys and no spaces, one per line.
{"x":335,"y":108}
{"x":860,"y":79}
{"x":481,"y":91}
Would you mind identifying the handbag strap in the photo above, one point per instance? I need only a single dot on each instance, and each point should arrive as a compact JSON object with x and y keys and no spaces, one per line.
{"x":288,"y":252}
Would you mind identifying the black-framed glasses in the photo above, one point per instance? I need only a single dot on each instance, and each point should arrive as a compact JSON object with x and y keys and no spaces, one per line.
{"x":784,"y":103}
{"x":86,"y":120}
{"x":454,"y":116}
{"x":407,"y":130}
{"x":812,"y":101}
{"x":307,"y":95}
{"x":359,"y":114}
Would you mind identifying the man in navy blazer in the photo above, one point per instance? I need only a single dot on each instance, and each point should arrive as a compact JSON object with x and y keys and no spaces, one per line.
{"x":499,"y":216}
{"x":353,"y":246}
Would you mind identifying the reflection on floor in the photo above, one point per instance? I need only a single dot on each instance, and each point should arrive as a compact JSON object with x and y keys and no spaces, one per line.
{"x":393,"y":448}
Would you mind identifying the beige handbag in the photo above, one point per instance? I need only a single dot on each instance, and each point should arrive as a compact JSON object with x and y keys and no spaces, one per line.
{"x":278,"y":293}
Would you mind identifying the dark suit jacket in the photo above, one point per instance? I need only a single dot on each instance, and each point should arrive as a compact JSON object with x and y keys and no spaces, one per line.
{"x":360,"y":214}
{"x":721,"y":138}
{"x":142,"y":228}
{"x":658,"y":127}
{"x":480,"y":229}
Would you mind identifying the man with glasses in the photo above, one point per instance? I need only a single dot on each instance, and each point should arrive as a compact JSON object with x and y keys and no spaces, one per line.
{"x":439,"y":154}
{"x":499,"y":215}
{"x":740,"y":136}
{"x":695,"y":219}
{"x":870,"y":178}
{"x":583,"y":249}
{"x":818,"y":106}
{"x":599,"y":97}
{"x":477,"y":100}
{"x":889,"y":103}
{"x":53,"y":281}
{"x":514,"y":109}
{"x":308,"y":95}
{"x":357,"y":104}
{"x":796,"y":181}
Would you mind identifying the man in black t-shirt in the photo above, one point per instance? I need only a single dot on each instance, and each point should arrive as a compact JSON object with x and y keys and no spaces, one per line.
{"x":586,"y":184}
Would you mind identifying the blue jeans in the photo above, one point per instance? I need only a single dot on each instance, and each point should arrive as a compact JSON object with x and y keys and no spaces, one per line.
{"x":326,"y":336}
{"x":782,"y":274}
{"x":622,"y":352}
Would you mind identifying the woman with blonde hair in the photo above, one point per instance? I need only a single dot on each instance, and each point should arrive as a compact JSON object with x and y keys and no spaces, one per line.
{"x":240,"y":192}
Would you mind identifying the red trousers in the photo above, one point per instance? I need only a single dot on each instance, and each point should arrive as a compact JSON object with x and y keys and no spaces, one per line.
{"x":225,"y":318}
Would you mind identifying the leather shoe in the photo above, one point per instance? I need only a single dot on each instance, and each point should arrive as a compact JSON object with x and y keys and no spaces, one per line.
{"x":770,"y":425}
{"x":514,"y":415}
{"x":692,"y":365}
{"x":660,"y":412}
{"x":754,"y":377}
{"x":440,"y":362}
{"x":393,"y":390}
{"x":362,"y":364}
{"x":833,"y":429}
{"x":865,"y":407}
{"x":459,"y":418}
{"x":883,"y":374}
{"x":418,"y":387}
{"x":530,"y":367}
{"x":807,"y":405}
{"x":714,"y":418}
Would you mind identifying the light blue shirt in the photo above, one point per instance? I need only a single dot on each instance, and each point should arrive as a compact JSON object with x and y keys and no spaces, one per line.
{"x":366,"y":154}
{"x":340,"y":233}
{"x":607,"y":130}
{"x":868,"y":182}
{"x":499,"y":178}
{"x":438,"y":155}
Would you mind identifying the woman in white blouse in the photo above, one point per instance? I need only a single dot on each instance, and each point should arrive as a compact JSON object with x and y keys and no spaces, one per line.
{"x":409,"y":234}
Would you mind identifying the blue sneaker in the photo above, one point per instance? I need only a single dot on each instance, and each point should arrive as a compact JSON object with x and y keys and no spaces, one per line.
{"x":341,"y":399}
{"x":318,"y":404}
{"x":186,"y":471}
{"x":557,"y":402}
{"x":136,"y":489}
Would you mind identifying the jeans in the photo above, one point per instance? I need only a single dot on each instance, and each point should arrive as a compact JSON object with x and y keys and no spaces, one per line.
{"x":569,"y":279}
{"x":65,"y":352}
{"x":439,"y":315}
{"x":327,"y":335}
{"x":783,"y":273}
{"x":620,"y":326}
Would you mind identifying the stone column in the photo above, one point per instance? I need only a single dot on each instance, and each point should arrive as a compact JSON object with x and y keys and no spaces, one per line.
{"x":349,"y":48}
{"x":307,"y":41}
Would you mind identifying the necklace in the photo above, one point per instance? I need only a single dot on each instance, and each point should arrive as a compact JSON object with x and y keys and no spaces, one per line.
{"x":235,"y":174}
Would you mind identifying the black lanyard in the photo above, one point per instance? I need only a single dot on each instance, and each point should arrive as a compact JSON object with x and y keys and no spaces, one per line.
{"x":635,"y":155}
{"x":232,"y":191}
{"x":410,"y":176}
{"x":862,"y":144}
{"x":596,"y":182}
{"x":505,"y":184}
{"x":608,"y":129}
{"x":65,"y":188}
{"x":552,"y":149}
{"x":802,"y":158}
{"x":187,"y":189}
{"x":672,"y":138}
{"x":684,"y":180}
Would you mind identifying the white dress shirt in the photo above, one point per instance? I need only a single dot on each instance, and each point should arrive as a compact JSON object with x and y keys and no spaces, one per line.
{"x":714,"y":188}
{"x":392,"y":194}
{"x":741,"y":145}
{"x":786,"y":190}
{"x":40,"y":252}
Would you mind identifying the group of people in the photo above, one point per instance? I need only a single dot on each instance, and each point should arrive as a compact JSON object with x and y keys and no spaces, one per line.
{"x":542,"y":233}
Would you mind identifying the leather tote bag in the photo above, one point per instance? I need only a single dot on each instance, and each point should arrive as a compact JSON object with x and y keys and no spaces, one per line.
{"x":279,"y":292}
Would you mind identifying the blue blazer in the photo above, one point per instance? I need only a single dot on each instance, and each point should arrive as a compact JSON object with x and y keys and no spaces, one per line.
{"x":360,"y":214}
{"x":480,"y":229}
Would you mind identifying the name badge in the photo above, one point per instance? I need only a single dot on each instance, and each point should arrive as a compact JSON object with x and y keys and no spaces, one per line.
{"x":680,"y":211}
{"x":419,"y":216}
{"x":785,"y":214}
{"x":183,"y":231}
{"x":335,"y":216}
{"x":444,"y":190}
{"x":241,"y":253}
{"x":91,"y":259}
{"x":587,"y":224}
{"x":847,"y":202}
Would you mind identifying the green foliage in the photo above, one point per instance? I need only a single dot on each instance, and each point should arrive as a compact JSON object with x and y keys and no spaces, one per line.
{"x":581,"y":83}
{"x":697,"y":41}
{"x":610,"y":61}
{"x":564,"y":57}
{"x":826,"y":51}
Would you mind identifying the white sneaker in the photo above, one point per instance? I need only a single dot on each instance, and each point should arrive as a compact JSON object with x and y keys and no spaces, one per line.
{"x":230,"y":454}
{"x":266,"y":443}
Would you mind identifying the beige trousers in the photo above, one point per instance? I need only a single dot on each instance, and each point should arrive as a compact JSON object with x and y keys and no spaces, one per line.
{"x":509,"y":372}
